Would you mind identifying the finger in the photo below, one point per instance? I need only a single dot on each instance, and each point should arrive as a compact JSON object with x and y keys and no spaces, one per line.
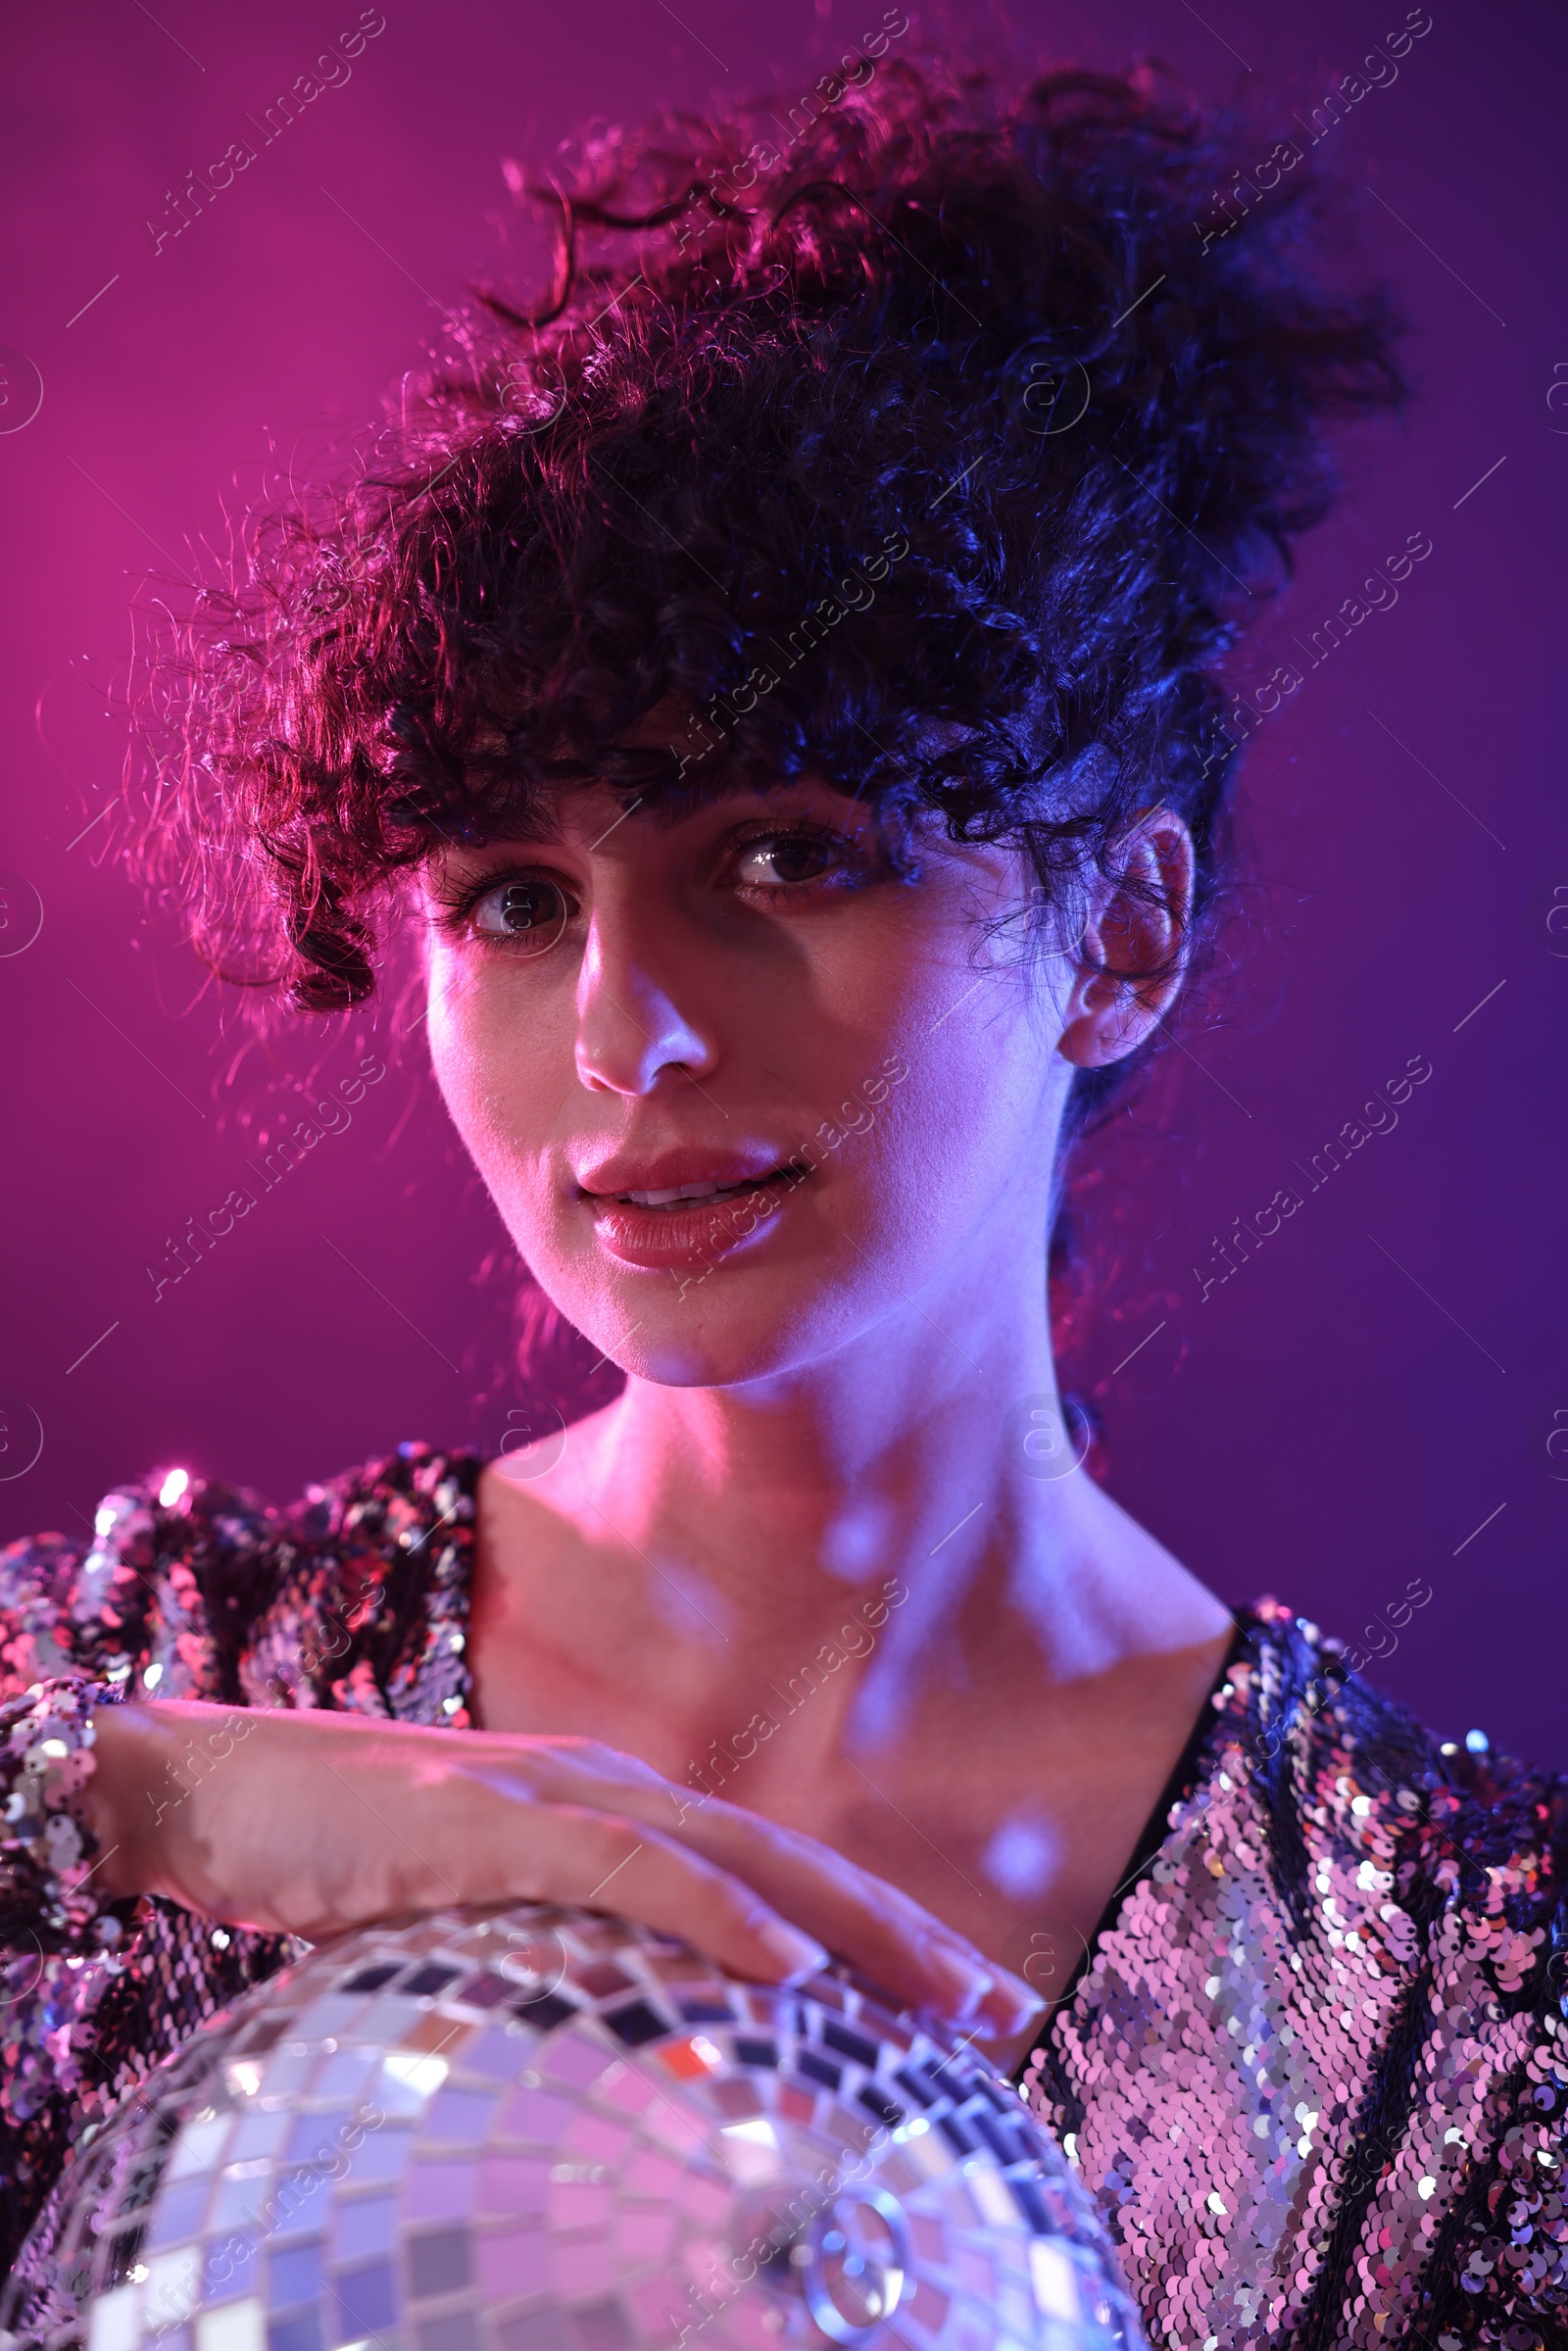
{"x":573,"y":1853}
{"x":873,"y":1925}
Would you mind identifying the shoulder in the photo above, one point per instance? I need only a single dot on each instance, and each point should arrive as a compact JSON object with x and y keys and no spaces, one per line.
{"x":73,"y":1607}
{"x":192,"y":1588}
{"x":1345,"y":1771}
{"x":368,"y":1608}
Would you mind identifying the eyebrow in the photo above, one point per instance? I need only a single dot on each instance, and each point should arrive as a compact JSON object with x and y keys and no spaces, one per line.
{"x":542,"y":824}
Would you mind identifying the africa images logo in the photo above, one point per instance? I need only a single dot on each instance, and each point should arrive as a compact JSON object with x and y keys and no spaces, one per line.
{"x":331,"y":72}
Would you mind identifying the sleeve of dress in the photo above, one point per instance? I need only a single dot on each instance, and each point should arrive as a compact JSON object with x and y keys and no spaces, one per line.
{"x":93,"y":1993}
{"x":51,"y":1895}
{"x":70,"y":1630}
{"x":1501,"y":2268}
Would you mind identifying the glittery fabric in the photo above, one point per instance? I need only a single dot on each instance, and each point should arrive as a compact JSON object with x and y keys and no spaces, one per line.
{"x":47,"y":1899}
{"x":1315,"y":2072}
{"x":356,"y":1599}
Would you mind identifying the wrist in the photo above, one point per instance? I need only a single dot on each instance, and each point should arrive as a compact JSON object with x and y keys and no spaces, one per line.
{"x":115,"y":1804}
{"x":55,"y":1888}
{"x":148,"y":1797}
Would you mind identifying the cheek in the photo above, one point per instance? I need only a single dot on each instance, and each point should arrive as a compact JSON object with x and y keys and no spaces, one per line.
{"x":960,"y":1134}
{"x":953,"y":1156}
{"x":500,"y":1064}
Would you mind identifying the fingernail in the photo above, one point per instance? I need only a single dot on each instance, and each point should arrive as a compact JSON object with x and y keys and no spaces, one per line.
{"x":966,"y":1981}
{"x":798,"y":1955}
{"x":1024,"y":1997}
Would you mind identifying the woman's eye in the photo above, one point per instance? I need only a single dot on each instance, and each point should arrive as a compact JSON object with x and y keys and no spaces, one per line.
{"x":780,"y":860}
{"x":529,"y":914}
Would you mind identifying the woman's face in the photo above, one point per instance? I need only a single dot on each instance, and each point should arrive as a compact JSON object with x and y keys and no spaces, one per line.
{"x":740,"y":1084}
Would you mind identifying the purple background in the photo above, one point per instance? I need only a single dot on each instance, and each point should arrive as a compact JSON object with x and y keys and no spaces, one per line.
{"x":1383,"y":1376}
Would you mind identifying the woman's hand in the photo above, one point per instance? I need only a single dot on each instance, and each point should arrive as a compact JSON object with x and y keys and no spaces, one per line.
{"x":310,"y":1823}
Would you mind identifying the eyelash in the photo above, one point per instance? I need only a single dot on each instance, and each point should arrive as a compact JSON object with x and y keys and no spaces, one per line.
{"x":458,"y":905}
{"x":852,"y":874}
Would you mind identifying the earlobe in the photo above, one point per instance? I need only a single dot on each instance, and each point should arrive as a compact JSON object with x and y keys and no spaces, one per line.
{"x":1104,"y":1023}
{"x":1133,"y":945}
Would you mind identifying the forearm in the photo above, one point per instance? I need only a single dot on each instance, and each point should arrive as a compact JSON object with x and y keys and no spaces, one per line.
{"x":308,"y":1821}
{"x":251,"y":1815}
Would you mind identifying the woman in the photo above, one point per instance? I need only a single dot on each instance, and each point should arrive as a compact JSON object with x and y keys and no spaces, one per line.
{"x":778,"y":683}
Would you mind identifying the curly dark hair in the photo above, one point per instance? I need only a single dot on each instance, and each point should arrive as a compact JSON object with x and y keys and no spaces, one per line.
{"x":931,"y":445}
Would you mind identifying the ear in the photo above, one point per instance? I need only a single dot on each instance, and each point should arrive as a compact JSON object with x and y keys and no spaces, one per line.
{"x":1132,"y":956}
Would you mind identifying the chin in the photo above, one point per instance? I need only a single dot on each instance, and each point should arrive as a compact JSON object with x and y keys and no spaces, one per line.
{"x":737,"y":1323}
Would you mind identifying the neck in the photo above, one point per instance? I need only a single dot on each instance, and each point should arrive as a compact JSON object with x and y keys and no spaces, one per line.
{"x":736,"y":1526}
{"x":849,"y":1563}
{"x":916,"y":1448}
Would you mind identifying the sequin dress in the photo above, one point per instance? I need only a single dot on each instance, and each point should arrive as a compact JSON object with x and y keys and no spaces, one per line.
{"x":1314,"y":2068}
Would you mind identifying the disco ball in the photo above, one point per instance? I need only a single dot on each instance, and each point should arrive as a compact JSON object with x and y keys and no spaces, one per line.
{"x":530,"y":2128}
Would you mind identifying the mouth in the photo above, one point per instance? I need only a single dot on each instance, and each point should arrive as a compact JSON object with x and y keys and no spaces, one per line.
{"x":678,"y":1195}
{"x":702,"y":1221}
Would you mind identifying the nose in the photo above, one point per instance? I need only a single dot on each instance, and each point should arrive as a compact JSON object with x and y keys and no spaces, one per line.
{"x":632,"y":1019}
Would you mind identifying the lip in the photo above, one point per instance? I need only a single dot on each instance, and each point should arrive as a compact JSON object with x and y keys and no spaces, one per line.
{"x":705,"y":1232}
{"x":667,"y":1171}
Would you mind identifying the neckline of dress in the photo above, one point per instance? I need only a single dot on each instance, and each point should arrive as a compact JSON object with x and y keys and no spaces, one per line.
{"x":468,"y":1462}
{"x":1157,"y":1831}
